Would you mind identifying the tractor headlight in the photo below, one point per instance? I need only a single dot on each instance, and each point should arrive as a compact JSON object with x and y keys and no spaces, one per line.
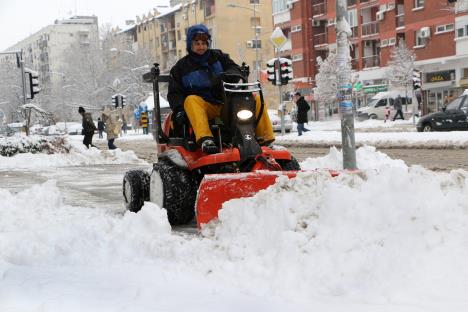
{"x":244,"y":114}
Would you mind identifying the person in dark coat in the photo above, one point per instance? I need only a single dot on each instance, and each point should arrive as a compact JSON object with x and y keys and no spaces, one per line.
{"x":100,"y":126}
{"x":302,"y":108}
{"x":193,"y":89}
{"x":398,"y":106}
{"x":88,"y":127}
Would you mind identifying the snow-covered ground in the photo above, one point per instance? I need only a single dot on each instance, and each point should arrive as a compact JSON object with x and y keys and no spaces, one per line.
{"x":391,"y":238}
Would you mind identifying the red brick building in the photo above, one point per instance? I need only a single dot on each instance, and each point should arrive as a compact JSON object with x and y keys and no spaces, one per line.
{"x":433,"y":29}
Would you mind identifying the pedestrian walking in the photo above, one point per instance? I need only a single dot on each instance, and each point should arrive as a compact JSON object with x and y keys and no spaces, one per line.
{"x":302,"y":108}
{"x":100,"y":126}
{"x":113,"y":125}
{"x":88,"y":127}
{"x":398,"y":106}
{"x":144,"y":122}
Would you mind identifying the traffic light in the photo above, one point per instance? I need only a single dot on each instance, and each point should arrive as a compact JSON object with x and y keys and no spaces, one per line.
{"x":271,"y":70}
{"x":33,"y":82}
{"x":119,"y":100}
{"x":285,"y":70}
{"x":416,"y":79}
{"x":116,"y":100}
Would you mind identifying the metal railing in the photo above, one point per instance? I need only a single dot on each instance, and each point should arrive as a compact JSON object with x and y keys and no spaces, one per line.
{"x":319,"y":8}
{"x":370,"y":28}
{"x":320,"y":39}
{"x":371,"y":61}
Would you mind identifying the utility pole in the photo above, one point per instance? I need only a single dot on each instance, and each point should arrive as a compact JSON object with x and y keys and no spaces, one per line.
{"x":345,"y":87}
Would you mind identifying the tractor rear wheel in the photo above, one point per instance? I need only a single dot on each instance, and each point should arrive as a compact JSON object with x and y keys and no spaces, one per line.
{"x":289,"y":165}
{"x":174,"y":189}
{"x":135,"y":189}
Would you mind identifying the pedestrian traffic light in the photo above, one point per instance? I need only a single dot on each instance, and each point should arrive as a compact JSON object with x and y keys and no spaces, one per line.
{"x":286,"y":72}
{"x":271,"y":70}
{"x":33,"y":82}
{"x":416,"y":79}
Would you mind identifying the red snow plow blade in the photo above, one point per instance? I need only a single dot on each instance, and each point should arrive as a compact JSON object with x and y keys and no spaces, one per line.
{"x":215,"y":189}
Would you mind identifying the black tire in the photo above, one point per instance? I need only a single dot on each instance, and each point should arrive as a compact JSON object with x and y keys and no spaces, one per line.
{"x":289,"y":165}
{"x":176,"y":189}
{"x":427,"y":127}
{"x":373,"y":116}
{"x":135,"y":189}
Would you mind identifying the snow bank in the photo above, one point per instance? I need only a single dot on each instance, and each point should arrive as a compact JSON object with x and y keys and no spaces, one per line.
{"x":77,"y":154}
{"x":390,"y":236}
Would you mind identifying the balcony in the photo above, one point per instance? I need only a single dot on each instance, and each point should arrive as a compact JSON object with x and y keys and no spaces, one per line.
{"x":320,"y":39}
{"x":371,"y":61}
{"x":319,"y":8}
{"x":400,"y":20}
{"x":371,"y":28}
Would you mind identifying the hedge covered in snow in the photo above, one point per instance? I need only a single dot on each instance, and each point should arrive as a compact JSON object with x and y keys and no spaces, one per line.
{"x":10,"y":146}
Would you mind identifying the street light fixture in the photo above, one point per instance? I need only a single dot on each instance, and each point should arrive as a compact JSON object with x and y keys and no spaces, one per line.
{"x":254,"y":10}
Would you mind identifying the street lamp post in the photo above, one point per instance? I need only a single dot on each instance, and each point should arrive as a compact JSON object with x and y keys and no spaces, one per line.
{"x":254,"y":10}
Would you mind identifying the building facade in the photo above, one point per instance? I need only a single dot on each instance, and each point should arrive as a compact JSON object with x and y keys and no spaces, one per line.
{"x":432,"y":29}
{"x":46,"y":50}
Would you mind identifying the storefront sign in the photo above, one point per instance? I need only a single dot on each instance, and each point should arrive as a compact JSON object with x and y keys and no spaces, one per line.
{"x":374,"y":88}
{"x":446,"y":75}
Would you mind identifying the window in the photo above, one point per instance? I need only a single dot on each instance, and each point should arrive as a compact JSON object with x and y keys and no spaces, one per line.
{"x":255,"y":21}
{"x":444,"y":28}
{"x":352,"y":18}
{"x":254,"y":1}
{"x":384,"y":43}
{"x":418,"y":4}
{"x":460,"y":32}
{"x":419,"y":40}
{"x":296,"y":28}
{"x":256,"y":44}
{"x":391,"y":41}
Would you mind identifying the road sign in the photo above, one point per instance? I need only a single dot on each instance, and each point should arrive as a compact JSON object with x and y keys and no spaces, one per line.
{"x":278,"y":38}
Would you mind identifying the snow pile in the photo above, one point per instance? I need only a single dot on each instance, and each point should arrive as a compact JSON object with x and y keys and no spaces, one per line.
{"x":389,"y":236}
{"x":10,"y":146}
{"x":381,"y":234}
{"x":77,"y":155}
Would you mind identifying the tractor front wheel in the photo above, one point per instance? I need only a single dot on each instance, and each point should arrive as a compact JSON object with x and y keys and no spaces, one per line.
{"x":289,"y":165}
{"x":174,"y":189}
{"x":135,"y":189}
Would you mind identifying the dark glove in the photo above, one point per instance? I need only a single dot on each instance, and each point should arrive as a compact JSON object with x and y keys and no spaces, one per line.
{"x":180,"y":118}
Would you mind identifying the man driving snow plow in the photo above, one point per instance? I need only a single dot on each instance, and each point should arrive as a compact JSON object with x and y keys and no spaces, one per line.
{"x":194,"y":84}
{"x":221,"y":151}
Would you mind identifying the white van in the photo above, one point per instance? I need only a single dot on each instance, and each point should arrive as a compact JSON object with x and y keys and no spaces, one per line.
{"x":376,"y":106}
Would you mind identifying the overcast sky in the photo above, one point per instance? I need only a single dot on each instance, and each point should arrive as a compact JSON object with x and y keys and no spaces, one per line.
{"x":21,"y":18}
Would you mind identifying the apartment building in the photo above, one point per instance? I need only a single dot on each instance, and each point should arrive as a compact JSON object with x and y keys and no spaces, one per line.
{"x":238,"y":27}
{"x":432,"y":29}
{"x":46,"y":50}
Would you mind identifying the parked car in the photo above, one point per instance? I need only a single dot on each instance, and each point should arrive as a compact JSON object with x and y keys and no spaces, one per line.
{"x":276,"y":120}
{"x":375,"y":109}
{"x":452,"y":117}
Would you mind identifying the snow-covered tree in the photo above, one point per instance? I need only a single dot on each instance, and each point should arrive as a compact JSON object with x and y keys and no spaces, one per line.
{"x":326,"y":81}
{"x":11,"y":91}
{"x":401,"y":65}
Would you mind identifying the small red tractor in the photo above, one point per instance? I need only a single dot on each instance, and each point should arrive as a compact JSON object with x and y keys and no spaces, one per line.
{"x":188,"y":182}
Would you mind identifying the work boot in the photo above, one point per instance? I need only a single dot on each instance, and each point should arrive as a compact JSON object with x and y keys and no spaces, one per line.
{"x":208,"y":146}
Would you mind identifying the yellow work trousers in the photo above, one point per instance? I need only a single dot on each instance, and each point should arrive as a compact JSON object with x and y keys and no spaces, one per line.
{"x":200,"y":111}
